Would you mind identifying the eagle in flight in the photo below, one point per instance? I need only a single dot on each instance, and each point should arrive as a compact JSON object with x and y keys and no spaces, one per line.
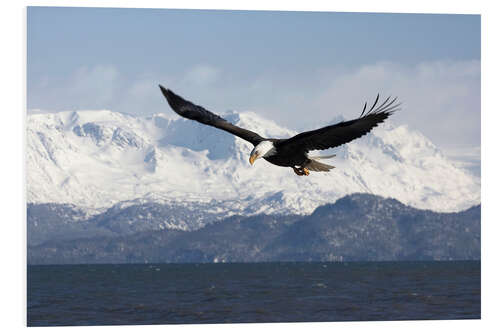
{"x":291,"y":152}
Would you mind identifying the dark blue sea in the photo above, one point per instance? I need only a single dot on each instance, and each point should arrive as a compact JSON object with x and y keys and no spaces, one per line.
{"x":247,"y":293}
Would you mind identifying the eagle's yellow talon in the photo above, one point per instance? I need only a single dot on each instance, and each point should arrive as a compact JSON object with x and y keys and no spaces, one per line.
{"x":301,"y":171}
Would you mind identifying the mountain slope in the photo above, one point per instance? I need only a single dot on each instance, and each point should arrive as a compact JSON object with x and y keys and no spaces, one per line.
{"x":97,"y":159}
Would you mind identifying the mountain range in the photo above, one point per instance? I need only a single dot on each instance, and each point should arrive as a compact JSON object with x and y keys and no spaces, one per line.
{"x":104,"y":186}
{"x":97,"y":159}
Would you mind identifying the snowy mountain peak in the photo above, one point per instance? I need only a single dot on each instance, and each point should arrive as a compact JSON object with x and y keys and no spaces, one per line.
{"x":101,"y":158}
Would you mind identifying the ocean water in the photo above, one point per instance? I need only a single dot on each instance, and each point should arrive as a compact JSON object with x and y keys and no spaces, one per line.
{"x":251,"y":292}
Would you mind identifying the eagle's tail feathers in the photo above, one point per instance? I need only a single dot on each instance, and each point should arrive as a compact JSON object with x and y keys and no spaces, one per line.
{"x":314,"y":165}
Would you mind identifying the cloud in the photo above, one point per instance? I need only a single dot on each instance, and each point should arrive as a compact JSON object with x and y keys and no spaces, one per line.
{"x":96,"y":84}
{"x":141,"y":95}
{"x":201,"y":75}
{"x":85,"y":88}
{"x":441,"y":99}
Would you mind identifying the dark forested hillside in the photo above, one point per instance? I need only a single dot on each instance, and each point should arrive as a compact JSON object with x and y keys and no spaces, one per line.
{"x":359,"y":227}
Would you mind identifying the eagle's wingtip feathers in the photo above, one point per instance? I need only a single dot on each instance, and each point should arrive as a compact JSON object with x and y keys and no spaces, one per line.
{"x":173,"y":100}
{"x":166,"y":92}
{"x":384,"y":108}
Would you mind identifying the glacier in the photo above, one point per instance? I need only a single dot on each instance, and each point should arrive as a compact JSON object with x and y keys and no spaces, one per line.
{"x":99,"y":159}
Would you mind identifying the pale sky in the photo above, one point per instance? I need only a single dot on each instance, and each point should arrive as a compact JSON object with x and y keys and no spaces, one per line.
{"x":300,"y":69}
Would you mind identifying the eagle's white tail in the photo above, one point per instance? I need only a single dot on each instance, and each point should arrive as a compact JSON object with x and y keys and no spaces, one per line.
{"x":315,"y":165}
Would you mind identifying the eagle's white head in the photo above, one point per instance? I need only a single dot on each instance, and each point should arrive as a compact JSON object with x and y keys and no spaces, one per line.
{"x":265,"y":148}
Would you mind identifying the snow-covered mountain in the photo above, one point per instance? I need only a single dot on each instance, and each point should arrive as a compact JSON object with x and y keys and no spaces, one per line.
{"x":97,"y":159}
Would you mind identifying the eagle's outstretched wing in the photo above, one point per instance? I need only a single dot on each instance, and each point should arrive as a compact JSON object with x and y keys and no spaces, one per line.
{"x":343,"y":132}
{"x":191,"y":111}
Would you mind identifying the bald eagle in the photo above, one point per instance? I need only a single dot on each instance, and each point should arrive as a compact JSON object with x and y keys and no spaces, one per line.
{"x":291,"y":152}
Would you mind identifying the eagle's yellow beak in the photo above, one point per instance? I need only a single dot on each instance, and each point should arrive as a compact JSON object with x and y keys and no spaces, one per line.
{"x":252,"y":158}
